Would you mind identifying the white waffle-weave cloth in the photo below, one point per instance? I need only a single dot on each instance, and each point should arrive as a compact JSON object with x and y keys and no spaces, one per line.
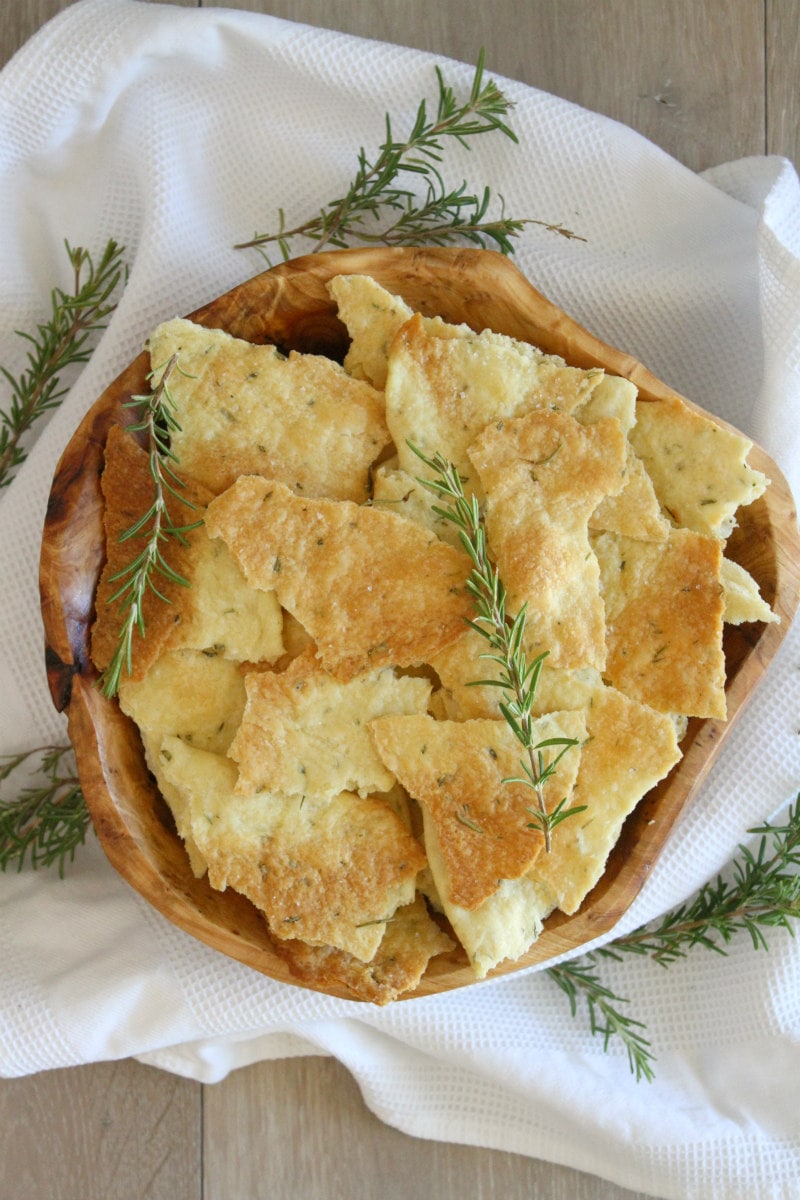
{"x":179,"y":132}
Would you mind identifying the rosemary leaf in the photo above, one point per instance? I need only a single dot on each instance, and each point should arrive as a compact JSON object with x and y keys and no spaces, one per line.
{"x":155,"y":528}
{"x":759,"y":893}
{"x":60,"y":342}
{"x":46,"y":822}
{"x":505,"y":634}
{"x":382,"y":207}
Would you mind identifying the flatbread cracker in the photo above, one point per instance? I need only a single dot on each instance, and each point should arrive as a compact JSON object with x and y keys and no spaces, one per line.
{"x":329,"y":871}
{"x":698,"y":468}
{"x":219,"y":613}
{"x":664,"y":606}
{"x":411,"y":940}
{"x":371,"y":588}
{"x":743,"y":601}
{"x":442,"y":392}
{"x":247,"y":409}
{"x":305,"y":733}
{"x":456,"y":772}
{"x":544,"y":475}
{"x":503,"y":927}
{"x":628,"y":749}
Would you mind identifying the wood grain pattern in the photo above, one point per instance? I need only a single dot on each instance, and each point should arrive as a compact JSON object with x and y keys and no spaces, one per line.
{"x":97,"y":1133}
{"x":290,"y":307}
{"x":350,"y":1155}
{"x":616,"y":57}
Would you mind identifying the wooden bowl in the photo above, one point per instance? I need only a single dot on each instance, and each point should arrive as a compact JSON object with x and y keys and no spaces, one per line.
{"x":289,"y":305}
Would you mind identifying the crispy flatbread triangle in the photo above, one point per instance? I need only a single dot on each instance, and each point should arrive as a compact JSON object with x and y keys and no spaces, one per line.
{"x":698,"y":468}
{"x":247,"y":409}
{"x":305,"y":733}
{"x":456,"y":771}
{"x":371,"y":588}
{"x":544,"y":475}
{"x":329,"y":871}
{"x":664,"y":606}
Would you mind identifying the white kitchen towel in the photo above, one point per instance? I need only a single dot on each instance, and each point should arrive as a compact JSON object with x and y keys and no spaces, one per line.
{"x":179,"y":132}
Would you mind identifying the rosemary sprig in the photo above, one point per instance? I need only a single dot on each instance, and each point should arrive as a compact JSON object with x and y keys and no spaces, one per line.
{"x":760,"y":892}
{"x":505,"y":635}
{"x":61,"y":341}
{"x":579,"y":978}
{"x":155,"y":527}
{"x":46,"y":822}
{"x":444,"y":214}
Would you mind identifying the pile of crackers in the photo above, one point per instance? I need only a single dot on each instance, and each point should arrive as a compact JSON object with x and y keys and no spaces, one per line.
{"x":309,"y":705}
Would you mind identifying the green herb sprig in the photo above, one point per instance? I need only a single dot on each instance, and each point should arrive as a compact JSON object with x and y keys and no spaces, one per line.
{"x":760,"y":893}
{"x":505,"y":634}
{"x":61,"y":341}
{"x":155,"y":527}
{"x":378,"y":189}
{"x":47,"y":820}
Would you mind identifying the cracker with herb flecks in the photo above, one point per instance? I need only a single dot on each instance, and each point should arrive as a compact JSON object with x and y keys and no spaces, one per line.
{"x":218,"y":612}
{"x":197,"y":697}
{"x":411,"y":940}
{"x":305,"y":733}
{"x":460,"y":772}
{"x":373,"y":316}
{"x":628,"y":748}
{"x":503,"y":927}
{"x":543,"y":475}
{"x":664,"y":608}
{"x":329,"y":871}
{"x":371,"y":588}
{"x":743,"y":600}
{"x":697,"y":466}
{"x":634,"y":511}
{"x":442,"y":392}
{"x":398,"y":492}
{"x":247,"y":409}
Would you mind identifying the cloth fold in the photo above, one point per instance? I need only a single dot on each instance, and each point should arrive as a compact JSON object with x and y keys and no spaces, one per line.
{"x":180,"y":132}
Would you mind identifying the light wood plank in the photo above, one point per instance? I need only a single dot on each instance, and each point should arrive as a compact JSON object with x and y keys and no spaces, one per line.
{"x":111,"y":1131}
{"x":687,"y":75}
{"x":20,"y":19}
{"x":300,"y":1128}
{"x":783,"y":88}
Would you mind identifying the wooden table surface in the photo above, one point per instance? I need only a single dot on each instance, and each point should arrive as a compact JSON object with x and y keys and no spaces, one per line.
{"x":709,"y":81}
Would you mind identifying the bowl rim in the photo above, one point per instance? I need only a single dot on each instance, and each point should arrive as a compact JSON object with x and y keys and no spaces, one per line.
{"x":115,"y":780}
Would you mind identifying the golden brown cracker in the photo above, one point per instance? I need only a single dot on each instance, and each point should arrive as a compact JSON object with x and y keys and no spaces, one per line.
{"x":442,"y":391}
{"x":305,"y":733}
{"x":370,"y":588}
{"x":325,"y":870}
{"x":456,"y":771}
{"x":544,"y":475}
{"x":411,"y":940}
{"x":247,"y":409}
{"x":698,"y":468}
{"x":664,"y":607}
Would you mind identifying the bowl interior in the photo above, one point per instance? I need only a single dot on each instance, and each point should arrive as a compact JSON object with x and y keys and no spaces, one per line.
{"x":290,"y":306}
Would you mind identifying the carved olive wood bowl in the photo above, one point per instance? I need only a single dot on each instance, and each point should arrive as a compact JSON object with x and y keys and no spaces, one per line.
{"x":289,"y":305}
